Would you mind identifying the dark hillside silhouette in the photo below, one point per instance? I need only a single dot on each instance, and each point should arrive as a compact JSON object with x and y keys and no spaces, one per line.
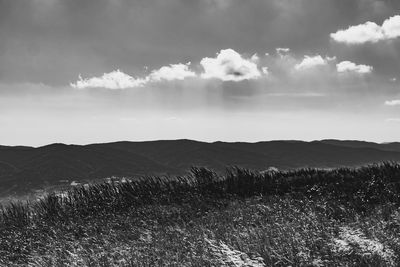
{"x":25,"y":168}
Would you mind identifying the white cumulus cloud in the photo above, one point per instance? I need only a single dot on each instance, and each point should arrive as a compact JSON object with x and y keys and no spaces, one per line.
{"x":369,"y":32}
{"x":395,"y":102}
{"x":172,"y":72}
{"x":348,"y":66}
{"x":229,"y":65}
{"x":113,"y":80}
{"x":119,"y":80}
{"x":310,"y":62}
{"x":391,"y":27}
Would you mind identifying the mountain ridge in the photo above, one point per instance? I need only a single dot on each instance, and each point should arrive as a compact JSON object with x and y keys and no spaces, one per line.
{"x":24,"y":168}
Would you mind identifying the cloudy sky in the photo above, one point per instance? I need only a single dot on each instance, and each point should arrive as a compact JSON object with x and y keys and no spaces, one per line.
{"x":84,"y":71}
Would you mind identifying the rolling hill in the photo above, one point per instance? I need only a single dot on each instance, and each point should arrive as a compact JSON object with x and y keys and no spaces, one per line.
{"x":25,"y":168}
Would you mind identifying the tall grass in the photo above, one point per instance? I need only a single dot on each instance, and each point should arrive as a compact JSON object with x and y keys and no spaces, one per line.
{"x":360,"y":187}
{"x":305,"y":217}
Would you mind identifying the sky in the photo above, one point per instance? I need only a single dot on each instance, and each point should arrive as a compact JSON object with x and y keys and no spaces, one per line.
{"x":89,"y":71}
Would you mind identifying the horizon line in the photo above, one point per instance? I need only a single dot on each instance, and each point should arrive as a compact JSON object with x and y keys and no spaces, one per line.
{"x":199,"y":141}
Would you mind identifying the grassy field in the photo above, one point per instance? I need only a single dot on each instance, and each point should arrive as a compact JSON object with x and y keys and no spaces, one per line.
{"x":307,"y":217}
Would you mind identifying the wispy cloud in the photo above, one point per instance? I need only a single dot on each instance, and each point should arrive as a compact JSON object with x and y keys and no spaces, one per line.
{"x":393,"y":120}
{"x":395,"y":102}
{"x":301,"y":94}
{"x":282,"y":51}
{"x":265,"y":70}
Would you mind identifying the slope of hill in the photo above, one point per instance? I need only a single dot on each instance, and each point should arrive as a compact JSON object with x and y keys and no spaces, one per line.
{"x":282,"y":154}
{"x":25,"y":168}
{"x":395,"y":146}
{"x":304,"y":217}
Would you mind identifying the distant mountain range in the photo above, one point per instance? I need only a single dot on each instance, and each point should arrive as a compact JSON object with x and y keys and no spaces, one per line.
{"x":23,"y":168}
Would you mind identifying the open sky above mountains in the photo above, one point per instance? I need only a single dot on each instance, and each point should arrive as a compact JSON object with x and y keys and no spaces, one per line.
{"x":89,"y":71}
